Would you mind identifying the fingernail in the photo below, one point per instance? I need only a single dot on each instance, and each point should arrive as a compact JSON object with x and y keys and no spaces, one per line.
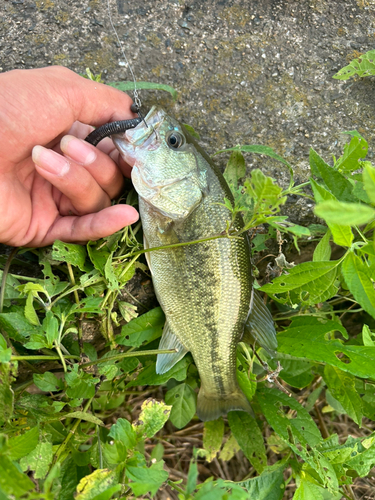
{"x":78,"y":150}
{"x":50,"y":160}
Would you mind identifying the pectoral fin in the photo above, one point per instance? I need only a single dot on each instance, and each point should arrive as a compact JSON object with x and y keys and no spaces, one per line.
{"x":259,"y":325}
{"x":169,"y":340}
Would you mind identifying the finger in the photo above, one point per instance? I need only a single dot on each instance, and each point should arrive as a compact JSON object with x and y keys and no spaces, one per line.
{"x":101,"y":167}
{"x":91,"y":227}
{"x":73,"y":180}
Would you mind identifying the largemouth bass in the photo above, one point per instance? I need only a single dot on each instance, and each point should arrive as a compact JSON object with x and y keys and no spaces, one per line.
{"x":204,"y":289}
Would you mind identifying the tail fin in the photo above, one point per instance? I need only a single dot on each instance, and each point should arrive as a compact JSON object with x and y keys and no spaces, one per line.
{"x":211,"y":407}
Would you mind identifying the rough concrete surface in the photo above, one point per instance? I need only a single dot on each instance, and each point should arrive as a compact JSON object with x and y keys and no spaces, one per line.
{"x":247,"y":72}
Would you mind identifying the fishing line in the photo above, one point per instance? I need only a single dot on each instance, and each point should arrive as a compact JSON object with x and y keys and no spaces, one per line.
{"x":120,"y":126}
{"x":137,"y":100}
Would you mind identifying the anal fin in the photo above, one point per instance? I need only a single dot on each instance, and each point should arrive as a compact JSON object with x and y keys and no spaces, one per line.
{"x":169,"y":340}
{"x":259,"y":325}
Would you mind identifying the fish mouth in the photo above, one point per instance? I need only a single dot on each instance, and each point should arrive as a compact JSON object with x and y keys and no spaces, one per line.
{"x":144,"y":135}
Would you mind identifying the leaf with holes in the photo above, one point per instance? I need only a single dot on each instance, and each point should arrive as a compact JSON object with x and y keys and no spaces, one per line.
{"x":71,"y":253}
{"x":309,"y":282}
{"x":363,"y":66}
{"x":251,"y":443}
{"x":310,"y":338}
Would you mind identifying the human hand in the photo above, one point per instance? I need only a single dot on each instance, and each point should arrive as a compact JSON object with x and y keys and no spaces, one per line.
{"x":58,"y":190}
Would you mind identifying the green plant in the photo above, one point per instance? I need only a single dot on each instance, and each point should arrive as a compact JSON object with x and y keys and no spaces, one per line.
{"x":83,"y":434}
{"x":363,"y":66}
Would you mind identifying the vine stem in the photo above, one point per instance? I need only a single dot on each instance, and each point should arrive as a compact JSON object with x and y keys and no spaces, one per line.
{"x":72,"y":431}
{"x":128,"y":355}
{"x":41,"y":358}
{"x":5,"y":275}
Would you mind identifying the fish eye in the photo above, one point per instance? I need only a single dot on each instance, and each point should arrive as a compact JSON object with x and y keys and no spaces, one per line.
{"x":175,"y":140}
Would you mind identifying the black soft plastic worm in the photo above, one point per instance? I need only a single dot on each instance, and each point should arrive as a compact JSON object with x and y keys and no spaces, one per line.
{"x":111,"y":128}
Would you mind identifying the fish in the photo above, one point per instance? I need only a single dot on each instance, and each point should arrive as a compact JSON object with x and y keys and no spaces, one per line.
{"x":205,"y":289}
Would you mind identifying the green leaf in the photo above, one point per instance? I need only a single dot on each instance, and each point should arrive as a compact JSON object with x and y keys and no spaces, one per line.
{"x":363,"y":462}
{"x":339,"y":186}
{"x":363,"y":66}
{"x":143,"y":329}
{"x":352,"y":214}
{"x":267,"y":486}
{"x":191,"y":131}
{"x":235,"y":169}
{"x":81,"y":384}
{"x":299,"y":429}
{"x":48,"y":382}
{"x":184,"y":404}
{"x":12,"y":481}
{"x":22,"y":445}
{"x":369,"y":181}
{"x":148,"y":376}
{"x":71,"y":253}
{"x":230,"y":448}
{"x":356,"y":275}
{"x":310,"y":282}
{"x":307,"y":337}
{"x":146,"y":479}
{"x":295,"y":372}
{"x":191,"y":482}
{"x":368,"y":336}
{"x":6,"y":393}
{"x":342,"y":235}
{"x":248,"y":435}
{"x":126,"y":86}
{"x":11,"y":289}
{"x":128,"y":311}
{"x":38,"y":460}
{"x":17,"y":326}
{"x":88,"y":417}
{"x":30,"y":313}
{"x":51,"y":328}
{"x":353,"y":152}
{"x":213,"y":434}
{"x":246,"y":381}
{"x":322,"y":251}
{"x":5,"y":352}
{"x":308,"y":490}
{"x":123,"y":431}
{"x":265,"y":192}
{"x":70,"y":476}
{"x":153,"y":416}
{"x":258,"y":149}
{"x":100,"y":481}
{"x":342,"y":388}
{"x":360,"y":193}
